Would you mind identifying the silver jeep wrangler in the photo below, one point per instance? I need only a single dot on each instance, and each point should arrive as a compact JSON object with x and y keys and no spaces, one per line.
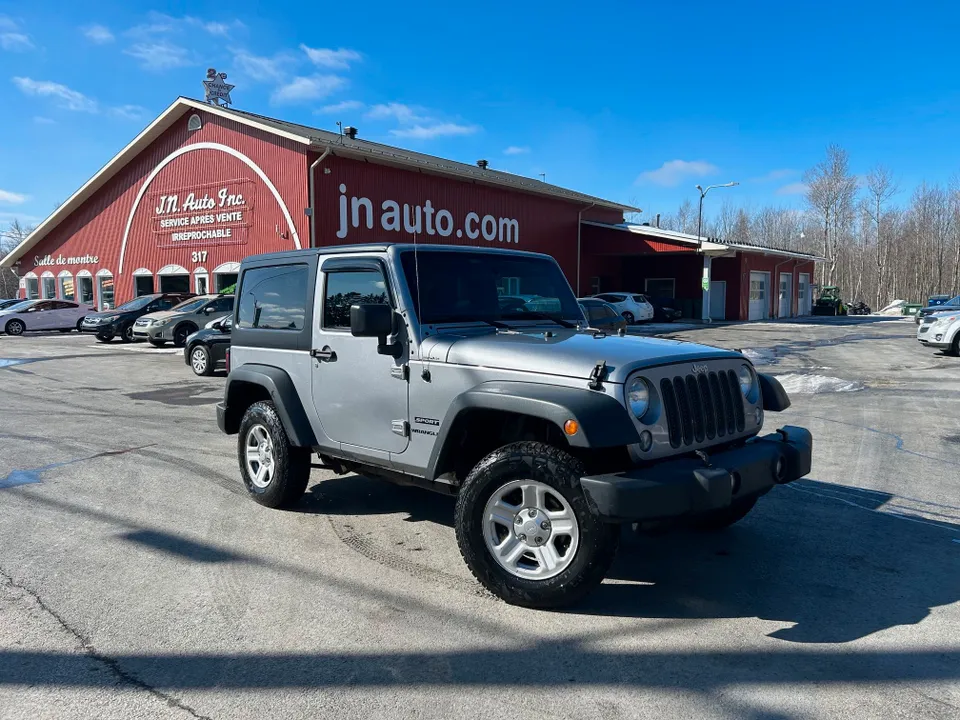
{"x":472,"y":371}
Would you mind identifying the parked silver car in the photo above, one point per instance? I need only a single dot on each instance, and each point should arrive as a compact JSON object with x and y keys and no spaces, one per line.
{"x":62,"y":315}
{"x":176,"y":324}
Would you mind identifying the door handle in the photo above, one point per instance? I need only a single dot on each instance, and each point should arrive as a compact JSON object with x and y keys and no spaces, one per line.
{"x":325,"y":354}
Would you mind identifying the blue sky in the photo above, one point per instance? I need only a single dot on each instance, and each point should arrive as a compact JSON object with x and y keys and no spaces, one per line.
{"x":636,"y":102}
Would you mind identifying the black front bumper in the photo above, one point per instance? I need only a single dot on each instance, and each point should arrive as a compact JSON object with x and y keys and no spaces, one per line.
{"x":112,"y":329}
{"x":688,"y":486}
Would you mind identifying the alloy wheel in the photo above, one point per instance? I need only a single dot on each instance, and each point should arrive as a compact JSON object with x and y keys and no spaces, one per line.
{"x":198,"y":358}
{"x":530,"y":530}
{"x":259,"y":456}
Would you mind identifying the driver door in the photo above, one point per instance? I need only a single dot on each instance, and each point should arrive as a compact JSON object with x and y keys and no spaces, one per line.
{"x":360,"y":396}
{"x":40,"y":316}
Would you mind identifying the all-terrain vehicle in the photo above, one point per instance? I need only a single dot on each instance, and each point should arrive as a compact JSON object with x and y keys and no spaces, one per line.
{"x":416,"y":365}
{"x":829,"y":302}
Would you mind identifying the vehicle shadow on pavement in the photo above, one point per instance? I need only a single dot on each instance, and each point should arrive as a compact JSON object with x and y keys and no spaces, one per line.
{"x":826,"y":558}
{"x":361,"y":495}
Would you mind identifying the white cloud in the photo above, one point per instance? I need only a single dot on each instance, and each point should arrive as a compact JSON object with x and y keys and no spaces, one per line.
{"x":214,"y":27}
{"x":128,"y":112}
{"x":774,"y":175}
{"x":325,"y":57}
{"x":345,"y":106}
{"x":12,"y":198}
{"x":403,"y":114}
{"x":66,"y":98}
{"x":15,"y":42}
{"x":160,"y":55}
{"x":428,"y":132}
{"x":303,"y":89}
{"x":261,"y":68}
{"x":797,"y":188}
{"x":516,"y":150}
{"x":98,"y":34}
{"x":673,"y":172}
{"x":40,"y":120}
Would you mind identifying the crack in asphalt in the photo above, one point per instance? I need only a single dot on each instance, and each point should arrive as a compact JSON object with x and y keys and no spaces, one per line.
{"x":111,"y":664}
{"x":32,"y":475}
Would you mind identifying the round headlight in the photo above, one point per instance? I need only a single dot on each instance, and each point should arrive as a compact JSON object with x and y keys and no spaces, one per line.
{"x":746,"y":379}
{"x":638,"y":397}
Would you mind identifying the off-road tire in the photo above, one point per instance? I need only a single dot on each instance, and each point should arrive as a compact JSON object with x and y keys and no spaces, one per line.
{"x":15,"y":327}
{"x":721,"y":519}
{"x":181,"y":332}
{"x":157,"y":343}
{"x":292,"y":472}
{"x":628,"y":316}
{"x":552,"y":466}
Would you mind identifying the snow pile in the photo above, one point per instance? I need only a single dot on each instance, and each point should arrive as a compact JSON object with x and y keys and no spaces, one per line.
{"x":816,"y":384}
{"x":761,"y":356}
{"x":894,"y":308}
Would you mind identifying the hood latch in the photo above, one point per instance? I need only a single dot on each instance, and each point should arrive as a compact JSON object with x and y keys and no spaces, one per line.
{"x":598,"y":375}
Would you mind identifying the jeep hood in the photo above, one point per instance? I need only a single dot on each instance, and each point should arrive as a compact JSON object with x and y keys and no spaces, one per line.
{"x":567,"y":352}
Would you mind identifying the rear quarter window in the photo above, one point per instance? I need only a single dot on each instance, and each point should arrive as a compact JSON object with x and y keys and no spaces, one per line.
{"x":273,"y":298}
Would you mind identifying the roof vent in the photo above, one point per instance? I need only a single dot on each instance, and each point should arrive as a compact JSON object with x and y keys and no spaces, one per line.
{"x":194,"y":123}
{"x":350,"y":132}
{"x":482,"y":164}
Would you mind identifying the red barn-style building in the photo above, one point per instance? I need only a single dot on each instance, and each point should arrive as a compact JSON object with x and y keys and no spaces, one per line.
{"x":204,"y":186}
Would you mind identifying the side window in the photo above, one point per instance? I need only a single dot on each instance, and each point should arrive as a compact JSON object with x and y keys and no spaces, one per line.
{"x":40,"y":307}
{"x":351,"y":287}
{"x":61,"y":305}
{"x":639,"y":299}
{"x":223,"y":304}
{"x":273,"y":298}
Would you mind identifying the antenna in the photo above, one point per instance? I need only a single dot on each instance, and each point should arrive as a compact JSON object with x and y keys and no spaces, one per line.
{"x":340,"y":125}
{"x":425,"y":372}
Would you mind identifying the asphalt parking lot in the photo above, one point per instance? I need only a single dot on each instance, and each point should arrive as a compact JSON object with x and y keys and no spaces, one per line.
{"x":137,"y":580}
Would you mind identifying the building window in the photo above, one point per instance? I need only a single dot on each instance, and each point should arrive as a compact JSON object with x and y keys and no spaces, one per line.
{"x":225,"y":276}
{"x":346,"y":288}
{"x":201,"y":281}
{"x":105,"y":286}
{"x":67,"y":291}
{"x":85,"y":289}
{"x":48,"y":286}
{"x":32,"y":287}
{"x":273,"y":298}
{"x":142,"y":282}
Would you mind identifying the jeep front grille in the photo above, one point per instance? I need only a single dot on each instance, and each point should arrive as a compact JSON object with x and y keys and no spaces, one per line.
{"x":702,"y":406}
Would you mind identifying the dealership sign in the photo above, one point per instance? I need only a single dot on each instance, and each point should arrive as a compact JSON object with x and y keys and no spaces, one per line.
{"x":216,"y":89}
{"x":49,"y":260}
{"x":210,"y":214}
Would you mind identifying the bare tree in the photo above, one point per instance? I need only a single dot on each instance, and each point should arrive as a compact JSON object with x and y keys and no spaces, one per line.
{"x":831,"y":190}
{"x":880,"y":188}
{"x":10,"y":237}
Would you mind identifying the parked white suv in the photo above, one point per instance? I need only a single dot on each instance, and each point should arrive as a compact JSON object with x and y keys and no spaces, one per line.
{"x":941,"y":331}
{"x":633,"y":307}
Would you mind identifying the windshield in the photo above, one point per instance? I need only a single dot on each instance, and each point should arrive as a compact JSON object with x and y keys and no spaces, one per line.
{"x":190,"y":305}
{"x":138,"y":304}
{"x":477,"y":287}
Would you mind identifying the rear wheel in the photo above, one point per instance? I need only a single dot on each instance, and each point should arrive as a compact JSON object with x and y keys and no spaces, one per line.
{"x":628,"y":316}
{"x":525,"y":530}
{"x":274,"y":472}
{"x":15,"y":327}
{"x":200,"y":360}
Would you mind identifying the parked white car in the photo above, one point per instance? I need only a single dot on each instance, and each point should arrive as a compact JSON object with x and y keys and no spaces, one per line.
{"x":941,"y":331}
{"x":633,"y":306}
{"x":62,"y":315}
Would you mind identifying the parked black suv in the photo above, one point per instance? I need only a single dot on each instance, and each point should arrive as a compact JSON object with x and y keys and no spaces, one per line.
{"x":119,"y":322}
{"x":947,"y":306}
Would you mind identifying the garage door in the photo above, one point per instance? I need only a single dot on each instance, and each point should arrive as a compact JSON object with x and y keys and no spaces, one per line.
{"x":759,"y":295}
{"x":785,"y":303}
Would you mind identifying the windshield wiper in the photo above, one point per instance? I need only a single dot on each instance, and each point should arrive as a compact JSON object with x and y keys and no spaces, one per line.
{"x":493,"y":323}
{"x":541,"y":316}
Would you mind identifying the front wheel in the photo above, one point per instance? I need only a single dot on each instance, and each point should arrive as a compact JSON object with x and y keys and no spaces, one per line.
{"x":104,"y":338}
{"x":628,"y":316}
{"x":15,"y":327}
{"x":525,"y":530}
{"x":274,"y":472}
{"x":126,"y":334}
{"x":181,"y":333}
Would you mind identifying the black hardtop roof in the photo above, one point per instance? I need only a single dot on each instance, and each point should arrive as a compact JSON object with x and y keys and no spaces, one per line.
{"x":294,"y":255}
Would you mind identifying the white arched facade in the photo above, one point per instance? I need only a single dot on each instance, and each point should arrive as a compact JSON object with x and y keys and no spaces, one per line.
{"x":201,"y":281}
{"x":205,"y":146}
{"x":142,"y":282}
{"x":106,"y":290}
{"x":48,"y":285}
{"x":173,"y":278}
{"x":66,"y":290}
{"x":31,"y":286}
{"x":85,"y":292}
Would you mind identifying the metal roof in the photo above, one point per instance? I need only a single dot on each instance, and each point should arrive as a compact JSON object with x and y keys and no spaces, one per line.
{"x":708,"y":244}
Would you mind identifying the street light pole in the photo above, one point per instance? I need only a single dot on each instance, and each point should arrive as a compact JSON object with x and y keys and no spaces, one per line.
{"x":707,"y":260}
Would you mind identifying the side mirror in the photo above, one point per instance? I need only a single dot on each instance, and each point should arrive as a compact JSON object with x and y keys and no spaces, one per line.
{"x":375,"y":320}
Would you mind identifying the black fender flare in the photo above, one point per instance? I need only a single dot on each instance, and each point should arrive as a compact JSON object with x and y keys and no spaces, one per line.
{"x":775,"y":398}
{"x":283,"y":394}
{"x":603,"y":422}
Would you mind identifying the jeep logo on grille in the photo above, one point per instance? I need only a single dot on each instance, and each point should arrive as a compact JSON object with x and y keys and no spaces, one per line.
{"x":697,"y":368}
